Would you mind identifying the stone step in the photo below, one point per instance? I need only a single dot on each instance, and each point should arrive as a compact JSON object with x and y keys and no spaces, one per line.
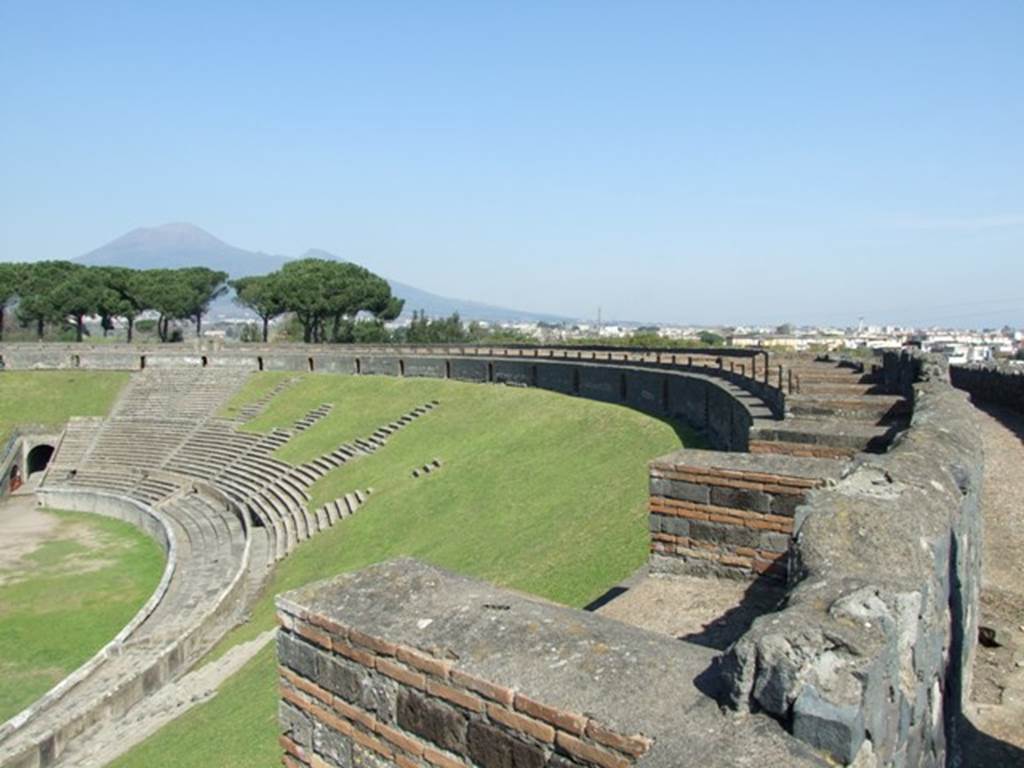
{"x":805,"y":376}
{"x":869,"y":408}
{"x":835,"y":388}
{"x":829,"y":433}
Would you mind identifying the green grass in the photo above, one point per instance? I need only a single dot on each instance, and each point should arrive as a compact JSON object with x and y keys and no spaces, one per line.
{"x":254,"y":388}
{"x":49,"y":398}
{"x":538,"y":491}
{"x":68,"y":598}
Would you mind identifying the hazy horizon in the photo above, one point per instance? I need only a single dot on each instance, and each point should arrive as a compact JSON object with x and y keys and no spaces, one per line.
{"x":707,"y":164}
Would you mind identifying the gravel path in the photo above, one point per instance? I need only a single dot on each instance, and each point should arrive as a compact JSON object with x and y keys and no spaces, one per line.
{"x":996,"y":731}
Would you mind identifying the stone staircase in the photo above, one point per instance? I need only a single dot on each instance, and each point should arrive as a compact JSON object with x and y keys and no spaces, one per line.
{"x":836,"y":411}
{"x":256,"y":407}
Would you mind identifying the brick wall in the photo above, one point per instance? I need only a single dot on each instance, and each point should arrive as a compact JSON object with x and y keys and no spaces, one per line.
{"x":350,"y":698}
{"x":729,"y":514}
{"x":404,"y":664}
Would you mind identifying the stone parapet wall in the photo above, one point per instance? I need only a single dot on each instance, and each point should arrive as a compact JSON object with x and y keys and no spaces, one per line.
{"x":997,"y":385}
{"x":404,"y":664}
{"x":723,"y":403}
{"x":729,"y":514}
{"x":870,"y":661}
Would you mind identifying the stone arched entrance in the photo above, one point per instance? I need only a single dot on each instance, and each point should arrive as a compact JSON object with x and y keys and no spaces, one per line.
{"x":39,"y":458}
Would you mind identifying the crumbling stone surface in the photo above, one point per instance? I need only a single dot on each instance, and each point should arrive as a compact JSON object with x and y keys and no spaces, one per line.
{"x":871,"y":659}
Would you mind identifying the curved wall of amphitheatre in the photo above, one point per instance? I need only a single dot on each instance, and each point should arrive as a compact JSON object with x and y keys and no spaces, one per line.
{"x":719,"y":395}
{"x":868,"y":662}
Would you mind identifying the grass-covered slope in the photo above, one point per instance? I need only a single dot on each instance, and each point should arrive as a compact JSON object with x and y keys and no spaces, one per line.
{"x":51,"y":397}
{"x":68,"y":597}
{"x":538,"y":491}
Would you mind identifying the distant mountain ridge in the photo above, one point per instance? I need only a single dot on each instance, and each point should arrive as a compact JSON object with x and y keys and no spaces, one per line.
{"x":181,"y":244}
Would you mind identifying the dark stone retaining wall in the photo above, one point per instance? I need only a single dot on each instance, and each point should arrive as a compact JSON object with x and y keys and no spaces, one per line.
{"x":871,"y":659}
{"x":999,"y":385}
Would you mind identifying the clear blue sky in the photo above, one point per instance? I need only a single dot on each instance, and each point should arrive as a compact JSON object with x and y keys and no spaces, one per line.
{"x":708,"y":162}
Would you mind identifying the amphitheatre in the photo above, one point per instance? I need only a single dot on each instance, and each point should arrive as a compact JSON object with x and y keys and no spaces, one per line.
{"x":514,"y":556}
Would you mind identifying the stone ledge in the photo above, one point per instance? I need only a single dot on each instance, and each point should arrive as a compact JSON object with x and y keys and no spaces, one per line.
{"x":583,"y":685}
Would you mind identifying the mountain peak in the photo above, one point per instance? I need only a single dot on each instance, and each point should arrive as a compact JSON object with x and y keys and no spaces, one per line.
{"x":181,"y":244}
{"x":175,"y":233}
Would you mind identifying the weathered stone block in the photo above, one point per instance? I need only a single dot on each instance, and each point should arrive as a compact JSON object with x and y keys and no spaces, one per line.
{"x":334,"y":746}
{"x":727,"y":535}
{"x":367,"y":758}
{"x":340,"y":677}
{"x":786,"y":503}
{"x":379,"y":696}
{"x":434,"y":721}
{"x":838,"y":730}
{"x":741,"y":498}
{"x":677,"y":526}
{"x":295,"y":724}
{"x":678,"y":489}
{"x":491,"y":747}
{"x":297,"y":654}
{"x":774,"y":542}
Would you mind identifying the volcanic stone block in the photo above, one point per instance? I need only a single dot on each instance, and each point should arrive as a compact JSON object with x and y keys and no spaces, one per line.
{"x":334,"y":746}
{"x":491,"y":747}
{"x":838,"y":730}
{"x":340,"y":677}
{"x":677,"y":526}
{"x":741,"y":498}
{"x":295,"y":724}
{"x":679,"y":489}
{"x":297,"y":654}
{"x":433,"y":720}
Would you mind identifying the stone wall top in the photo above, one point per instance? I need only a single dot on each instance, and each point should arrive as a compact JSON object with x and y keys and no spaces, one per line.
{"x":872,"y":655}
{"x":580,"y":672}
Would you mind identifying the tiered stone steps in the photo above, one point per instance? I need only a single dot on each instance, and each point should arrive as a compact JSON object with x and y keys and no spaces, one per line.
{"x":210,"y":551}
{"x":163,"y":442}
{"x":255,"y":408}
{"x":188,"y":394}
{"x":311,"y":418}
{"x":836,"y":413}
{"x":333,"y":511}
{"x":281,"y":501}
{"x":78,"y":438}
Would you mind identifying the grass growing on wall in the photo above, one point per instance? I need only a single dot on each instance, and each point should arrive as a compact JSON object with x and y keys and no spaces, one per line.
{"x":66,"y":599}
{"x":538,"y":491}
{"x":50,"y":398}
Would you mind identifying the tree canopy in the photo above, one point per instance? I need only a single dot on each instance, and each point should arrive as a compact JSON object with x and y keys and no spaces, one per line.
{"x":332,"y":300}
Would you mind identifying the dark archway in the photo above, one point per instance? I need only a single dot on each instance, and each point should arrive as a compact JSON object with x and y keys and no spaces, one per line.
{"x":39,"y":457}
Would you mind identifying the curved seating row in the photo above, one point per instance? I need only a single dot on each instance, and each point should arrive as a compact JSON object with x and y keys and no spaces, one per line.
{"x":277,"y":494}
{"x":161,"y":463}
{"x":210,"y":558}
